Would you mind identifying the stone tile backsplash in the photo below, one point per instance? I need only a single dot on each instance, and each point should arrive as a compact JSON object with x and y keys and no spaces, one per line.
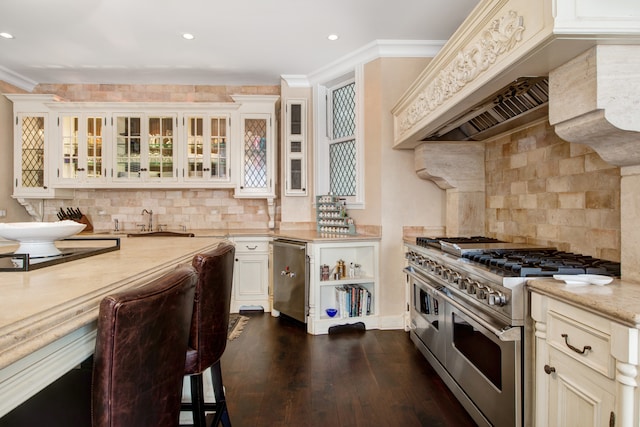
{"x":547,"y":191}
{"x":175,"y":209}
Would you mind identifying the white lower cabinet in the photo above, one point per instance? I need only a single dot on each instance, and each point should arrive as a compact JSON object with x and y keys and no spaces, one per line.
{"x":585,"y":369}
{"x":251,"y":274}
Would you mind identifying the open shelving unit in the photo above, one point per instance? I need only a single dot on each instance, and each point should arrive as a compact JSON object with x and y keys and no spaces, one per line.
{"x":322,"y":293}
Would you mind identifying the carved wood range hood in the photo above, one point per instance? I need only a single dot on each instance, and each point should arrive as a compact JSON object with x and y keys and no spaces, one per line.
{"x":582,"y":55}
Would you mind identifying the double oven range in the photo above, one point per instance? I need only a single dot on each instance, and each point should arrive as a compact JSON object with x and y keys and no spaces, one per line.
{"x":468,"y":312}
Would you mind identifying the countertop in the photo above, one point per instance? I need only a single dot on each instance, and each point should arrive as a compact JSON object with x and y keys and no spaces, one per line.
{"x":303,"y":235}
{"x":618,"y":301}
{"x":39,"y":306}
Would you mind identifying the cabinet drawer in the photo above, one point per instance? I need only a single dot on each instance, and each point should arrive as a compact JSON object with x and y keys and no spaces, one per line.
{"x":581,"y":341}
{"x":252,"y":246}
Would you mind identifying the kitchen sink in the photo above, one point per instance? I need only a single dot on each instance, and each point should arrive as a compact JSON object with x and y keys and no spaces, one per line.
{"x":160,"y":234}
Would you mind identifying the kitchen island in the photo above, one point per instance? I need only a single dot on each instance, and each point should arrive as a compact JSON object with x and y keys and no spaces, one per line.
{"x":48,"y":317}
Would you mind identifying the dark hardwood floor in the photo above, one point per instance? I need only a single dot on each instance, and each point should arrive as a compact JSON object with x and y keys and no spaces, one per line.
{"x":275,"y":374}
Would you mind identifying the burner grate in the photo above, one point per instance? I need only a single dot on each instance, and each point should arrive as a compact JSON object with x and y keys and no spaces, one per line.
{"x":543,"y":263}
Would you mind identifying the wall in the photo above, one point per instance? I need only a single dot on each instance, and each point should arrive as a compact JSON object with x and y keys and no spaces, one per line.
{"x":191,"y":208}
{"x":177,"y":209}
{"x":544,"y":190}
{"x":15,"y":212}
{"x":394,"y":195}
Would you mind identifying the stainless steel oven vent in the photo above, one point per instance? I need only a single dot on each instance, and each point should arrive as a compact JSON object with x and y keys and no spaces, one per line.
{"x":524,"y":100}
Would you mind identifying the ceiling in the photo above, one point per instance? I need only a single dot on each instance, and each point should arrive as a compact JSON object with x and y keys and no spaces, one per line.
{"x":238,"y":42}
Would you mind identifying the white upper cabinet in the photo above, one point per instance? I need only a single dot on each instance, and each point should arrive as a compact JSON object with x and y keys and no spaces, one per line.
{"x":295,"y":148}
{"x":35,"y":148}
{"x":67,"y":145}
{"x":206,"y":154}
{"x":81,"y":150}
{"x":257,"y":147}
{"x":144,"y":148}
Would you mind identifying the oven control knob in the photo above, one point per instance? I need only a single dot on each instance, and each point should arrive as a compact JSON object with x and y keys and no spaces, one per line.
{"x":497,"y":298}
{"x":471,"y":289}
{"x":455,"y":277}
{"x":446,"y":274}
{"x":437,"y":269}
{"x":463,"y":285}
{"x":481,"y":291}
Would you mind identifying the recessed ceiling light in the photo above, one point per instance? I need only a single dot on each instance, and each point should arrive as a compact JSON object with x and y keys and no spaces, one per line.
{"x":332,"y":37}
{"x":6,"y":35}
{"x":188,"y":36}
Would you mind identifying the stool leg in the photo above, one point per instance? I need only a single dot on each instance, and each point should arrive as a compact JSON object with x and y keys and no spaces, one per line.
{"x":222,"y":414}
{"x":197,"y":401}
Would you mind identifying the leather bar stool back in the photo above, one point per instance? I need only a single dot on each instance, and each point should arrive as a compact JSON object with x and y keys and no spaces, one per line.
{"x":209,"y":326}
{"x":140,"y":352}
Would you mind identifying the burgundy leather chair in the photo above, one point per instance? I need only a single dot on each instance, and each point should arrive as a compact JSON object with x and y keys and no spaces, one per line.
{"x":208,"y":338}
{"x":137,"y":367}
{"x":140,"y":352}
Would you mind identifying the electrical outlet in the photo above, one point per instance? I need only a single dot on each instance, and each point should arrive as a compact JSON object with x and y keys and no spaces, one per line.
{"x":3,"y":213}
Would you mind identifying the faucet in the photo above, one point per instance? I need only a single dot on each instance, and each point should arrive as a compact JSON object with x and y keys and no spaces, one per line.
{"x":144,"y":211}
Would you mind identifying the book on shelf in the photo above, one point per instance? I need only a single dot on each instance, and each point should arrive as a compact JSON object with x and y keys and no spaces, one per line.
{"x":353,"y":301}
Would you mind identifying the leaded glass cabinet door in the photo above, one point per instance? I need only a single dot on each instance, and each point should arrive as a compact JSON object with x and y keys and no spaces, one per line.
{"x":256,"y":154}
{"x":129,"y":155}
{"x":207,"y":148}
{"x":32,"y":156}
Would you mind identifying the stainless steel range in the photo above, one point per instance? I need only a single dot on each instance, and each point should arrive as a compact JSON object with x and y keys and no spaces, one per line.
{"x":468,"y":313}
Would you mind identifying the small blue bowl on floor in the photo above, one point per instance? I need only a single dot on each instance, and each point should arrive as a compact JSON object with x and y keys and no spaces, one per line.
{"x":331,"y":312}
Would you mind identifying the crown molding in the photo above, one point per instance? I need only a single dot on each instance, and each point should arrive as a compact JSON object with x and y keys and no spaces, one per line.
{"x":16,"y":79}
{"x":374,"y":50}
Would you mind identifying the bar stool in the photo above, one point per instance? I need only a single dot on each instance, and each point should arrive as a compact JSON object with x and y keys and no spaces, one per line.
{"x":208,"y":338}
{"x":136,"y":375}
{"x":142,"y":339}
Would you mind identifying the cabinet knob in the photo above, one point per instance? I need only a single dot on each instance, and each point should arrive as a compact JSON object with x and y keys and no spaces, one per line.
{"x":549,"y":369}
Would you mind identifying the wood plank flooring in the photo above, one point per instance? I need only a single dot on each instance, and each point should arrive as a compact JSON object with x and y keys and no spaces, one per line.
{"x":275,"y":374}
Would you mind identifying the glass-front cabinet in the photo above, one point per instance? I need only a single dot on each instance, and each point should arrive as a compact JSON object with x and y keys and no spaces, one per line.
{"x":257,"y":146}
{"x":67,"y":145}
{"x":295,"y":148}
{"x":144,"y":148}
{"x":34,"y":150}
{"x":207,"y":148}
{"x":81,"y":159}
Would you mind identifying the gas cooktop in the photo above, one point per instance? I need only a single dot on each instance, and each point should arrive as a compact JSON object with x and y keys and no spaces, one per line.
{"x":520,"y":260}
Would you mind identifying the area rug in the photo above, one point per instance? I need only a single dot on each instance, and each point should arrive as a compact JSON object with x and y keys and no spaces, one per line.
{"x":236,"y":325}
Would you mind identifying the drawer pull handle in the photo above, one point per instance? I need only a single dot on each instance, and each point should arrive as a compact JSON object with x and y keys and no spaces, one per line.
{"x":549,"y":369}
{"x":584,"y":349}
{"x":252,"y":248}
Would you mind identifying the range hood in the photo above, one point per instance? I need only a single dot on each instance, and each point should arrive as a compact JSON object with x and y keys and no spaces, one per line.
{"x":460,"y":94}
{"x":522,"y":101}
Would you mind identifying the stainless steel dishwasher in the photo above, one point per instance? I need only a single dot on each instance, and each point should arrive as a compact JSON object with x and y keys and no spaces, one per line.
{"x":291,"y":278}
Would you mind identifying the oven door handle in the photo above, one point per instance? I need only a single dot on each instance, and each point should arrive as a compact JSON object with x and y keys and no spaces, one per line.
{"x":410,"y":271}
{"x":505,"y":334}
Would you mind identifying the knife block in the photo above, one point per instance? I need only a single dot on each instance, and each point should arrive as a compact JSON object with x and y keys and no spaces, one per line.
{"x":85,"y":220}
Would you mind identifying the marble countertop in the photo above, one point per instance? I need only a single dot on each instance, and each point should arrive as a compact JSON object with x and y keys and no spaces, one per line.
{"x":39,"y":306}
{"x":618,"y":301}
{"x":304,"y":235}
